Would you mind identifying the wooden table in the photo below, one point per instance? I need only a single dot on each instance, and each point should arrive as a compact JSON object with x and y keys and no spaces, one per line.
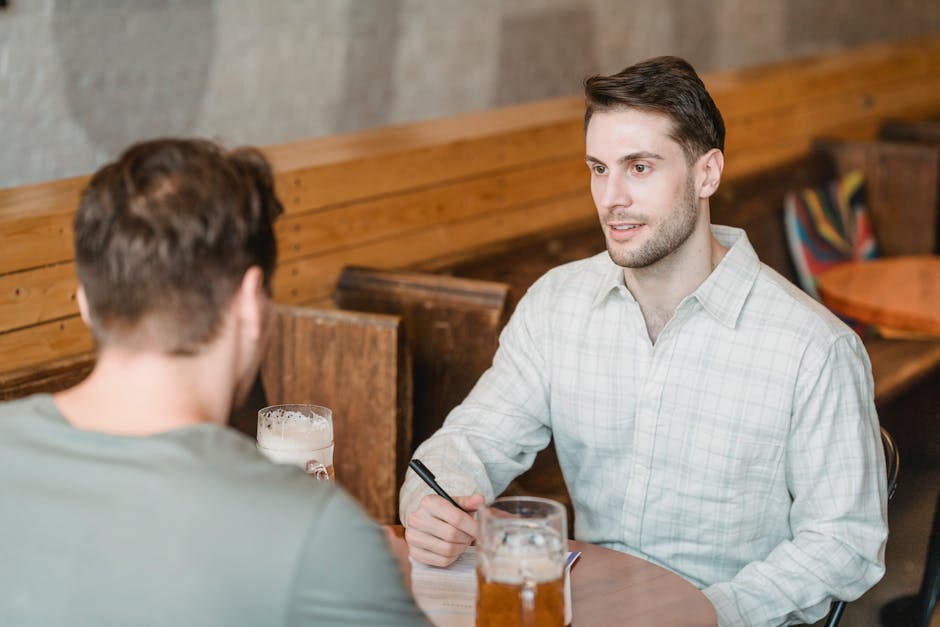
{"x":900,"y":294}
{"x":613,"y":588}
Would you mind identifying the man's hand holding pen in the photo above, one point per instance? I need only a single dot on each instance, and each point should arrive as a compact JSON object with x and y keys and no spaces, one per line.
{"x":441,"y":528}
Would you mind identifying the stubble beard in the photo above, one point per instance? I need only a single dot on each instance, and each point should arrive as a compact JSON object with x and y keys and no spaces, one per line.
{"x":673,"y":232}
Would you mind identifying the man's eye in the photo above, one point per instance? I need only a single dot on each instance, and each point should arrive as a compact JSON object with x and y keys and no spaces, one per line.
{"x":640,"y":168}
{"x":599,"y":169}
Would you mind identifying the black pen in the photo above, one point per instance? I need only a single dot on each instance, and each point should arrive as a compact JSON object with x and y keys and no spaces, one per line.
{"x":428,"y":477}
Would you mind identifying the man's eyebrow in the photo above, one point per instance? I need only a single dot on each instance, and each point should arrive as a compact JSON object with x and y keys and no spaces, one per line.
{"x":643,"y":154}
{"x":633,"y":156}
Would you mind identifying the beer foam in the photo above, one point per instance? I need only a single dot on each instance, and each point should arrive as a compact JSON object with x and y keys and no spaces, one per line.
{"x":286,"y":430}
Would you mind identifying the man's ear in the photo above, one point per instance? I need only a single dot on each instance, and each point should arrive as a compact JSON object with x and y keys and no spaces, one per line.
{"x":83,"y":308}
{"x":711,"y":165}
{"x":250,"y":302}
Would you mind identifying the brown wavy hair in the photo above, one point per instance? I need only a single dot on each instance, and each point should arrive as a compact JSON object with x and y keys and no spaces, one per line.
{"x":164,"y":235}
{"x":668,"y":86}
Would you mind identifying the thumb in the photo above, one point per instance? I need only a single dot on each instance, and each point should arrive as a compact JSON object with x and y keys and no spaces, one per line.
{"x":471,"y":503}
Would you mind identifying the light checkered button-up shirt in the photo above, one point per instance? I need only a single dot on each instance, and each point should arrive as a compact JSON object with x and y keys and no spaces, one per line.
{"x":741,"y":450}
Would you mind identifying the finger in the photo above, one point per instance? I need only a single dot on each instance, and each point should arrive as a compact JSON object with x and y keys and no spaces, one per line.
{"x":439,"y":508}
{"x":427,"y":520}
{"x":430,"y":558}
{"x":471,"y":503}
{"x":416,"y":537}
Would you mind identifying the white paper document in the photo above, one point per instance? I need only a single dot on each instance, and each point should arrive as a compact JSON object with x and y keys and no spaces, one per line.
{"x":449,"y":595}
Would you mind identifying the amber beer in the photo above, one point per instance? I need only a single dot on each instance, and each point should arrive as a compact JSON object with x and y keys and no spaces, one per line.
{"x":298,"y":435}
{"x":521,"y":548}
{"x":515,"y":602}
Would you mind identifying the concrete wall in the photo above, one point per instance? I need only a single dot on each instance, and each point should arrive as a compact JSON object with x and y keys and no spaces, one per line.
{"x":80,"y":79}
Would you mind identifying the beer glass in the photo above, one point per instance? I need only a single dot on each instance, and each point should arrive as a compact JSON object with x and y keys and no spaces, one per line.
{"x":521,"y":548}
{"x":300,"y":435}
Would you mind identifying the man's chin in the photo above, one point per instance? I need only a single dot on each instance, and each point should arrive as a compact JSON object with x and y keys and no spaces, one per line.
{"x":622,"y":258}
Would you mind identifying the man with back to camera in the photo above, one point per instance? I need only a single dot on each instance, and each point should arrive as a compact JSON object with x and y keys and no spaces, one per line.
{"x":126,"y":499}
{"x":708,"y":416}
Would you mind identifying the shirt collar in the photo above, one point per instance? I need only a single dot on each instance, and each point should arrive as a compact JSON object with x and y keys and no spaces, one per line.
{"x":612,"y":280}
{"x":723,"y":293}
{"x":726,"y":289}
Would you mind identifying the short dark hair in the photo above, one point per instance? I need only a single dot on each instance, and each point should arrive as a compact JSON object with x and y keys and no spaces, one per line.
{"x":164,"y":235}
{"x":665,"y":85}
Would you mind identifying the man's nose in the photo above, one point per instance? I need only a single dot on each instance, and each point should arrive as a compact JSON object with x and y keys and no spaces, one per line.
{"x":616,"y":192}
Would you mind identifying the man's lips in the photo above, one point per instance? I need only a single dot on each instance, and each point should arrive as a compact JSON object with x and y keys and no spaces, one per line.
{"x":624,"y":230}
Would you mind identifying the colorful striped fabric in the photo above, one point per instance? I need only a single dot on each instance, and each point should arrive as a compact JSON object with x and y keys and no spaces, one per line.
{"x":826,"y":226}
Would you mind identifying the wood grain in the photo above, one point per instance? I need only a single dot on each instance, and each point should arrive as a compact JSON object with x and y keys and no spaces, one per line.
{"x":39,"y":295}
{"x":901,"y":293}
{"x":451,"y":325}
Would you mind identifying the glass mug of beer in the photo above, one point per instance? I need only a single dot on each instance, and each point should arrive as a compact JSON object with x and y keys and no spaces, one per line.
{"x":300,"y":435}
{"x":521,"y":547}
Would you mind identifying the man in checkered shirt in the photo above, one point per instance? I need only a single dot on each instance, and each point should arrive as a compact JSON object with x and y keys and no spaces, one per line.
{"x":708,"y":416}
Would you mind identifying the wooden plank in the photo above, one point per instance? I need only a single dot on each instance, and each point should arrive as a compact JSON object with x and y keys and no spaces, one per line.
{"x":307,"y":279}
{"x":742,"y":90}
{"x":372,"y":175}
{"x":40,"y":295}
{"x":33,"y":241}
{"x":359,"y":223}
{"x":918,"y":131}
{"x":52,"y":198}
{"x":47,"y":378}
{"x":451,"y":326}
{"x":44,"y":342}
{"x":814,"y":116}
{"x":467,"y":127}
{"x":357,"y":365}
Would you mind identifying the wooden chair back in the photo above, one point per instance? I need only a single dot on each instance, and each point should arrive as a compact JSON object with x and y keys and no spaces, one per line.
{"x":451,"y":326}
{"x":358,"y":365}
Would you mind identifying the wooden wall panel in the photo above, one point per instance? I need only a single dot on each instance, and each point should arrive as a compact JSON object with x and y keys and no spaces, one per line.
{"x":44,"y":342}
{"x":37,"y":240}
{"x":388,"y":216}
{"x":308,"y":279}
{"x":372,"y":175}
{"x":39,"y":295}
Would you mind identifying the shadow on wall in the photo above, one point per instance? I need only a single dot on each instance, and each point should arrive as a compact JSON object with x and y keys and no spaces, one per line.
{"x":134,"y":71}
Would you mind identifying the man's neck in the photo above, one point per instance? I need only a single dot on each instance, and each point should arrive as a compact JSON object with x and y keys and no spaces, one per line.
{"x":141,"y":393}
{"x":660,"y":287}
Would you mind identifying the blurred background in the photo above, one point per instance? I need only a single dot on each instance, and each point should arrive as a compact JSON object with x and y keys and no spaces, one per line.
{"x":81,"y":79}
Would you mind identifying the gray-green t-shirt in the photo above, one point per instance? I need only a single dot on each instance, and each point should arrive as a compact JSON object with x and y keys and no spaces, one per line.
{"x":188,"y":527}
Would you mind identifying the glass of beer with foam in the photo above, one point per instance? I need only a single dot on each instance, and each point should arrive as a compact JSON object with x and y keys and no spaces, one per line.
{"x":300,"y":435}
{"x":521,"y":547}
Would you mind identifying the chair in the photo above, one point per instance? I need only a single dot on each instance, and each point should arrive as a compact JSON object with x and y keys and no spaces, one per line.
{"x":358,"y":365}
{"x":892,"y":464}
{"x":450,"y":325}
{"x":917,"y":609}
